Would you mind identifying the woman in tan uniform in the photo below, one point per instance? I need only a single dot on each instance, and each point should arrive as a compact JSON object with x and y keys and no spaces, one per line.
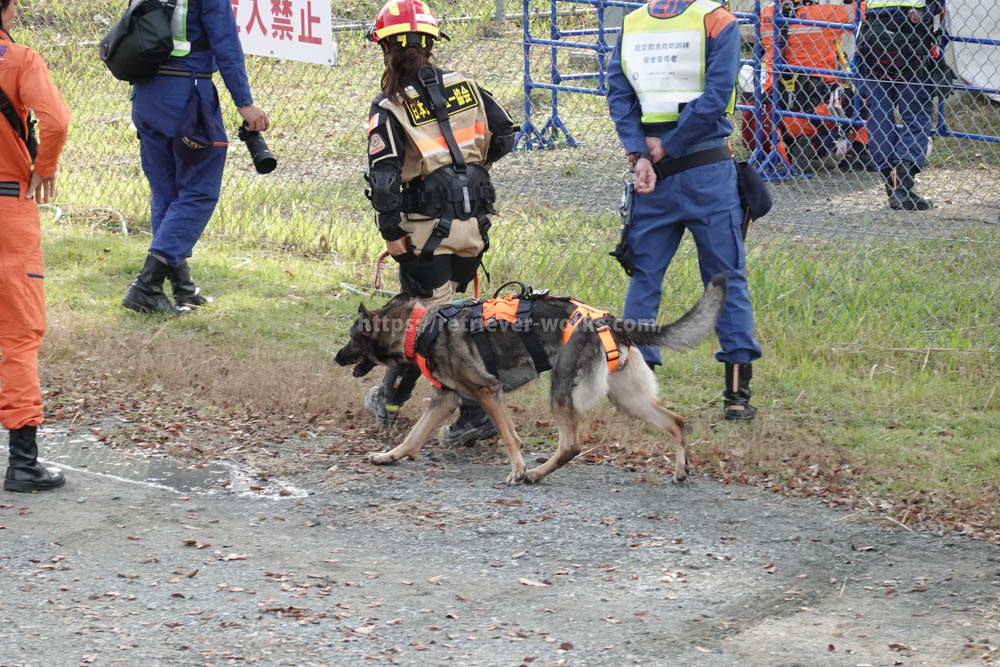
{"x":432,"y":136}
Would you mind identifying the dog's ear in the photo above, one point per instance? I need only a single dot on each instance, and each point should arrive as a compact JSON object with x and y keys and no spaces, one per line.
{"x":366,"y":321}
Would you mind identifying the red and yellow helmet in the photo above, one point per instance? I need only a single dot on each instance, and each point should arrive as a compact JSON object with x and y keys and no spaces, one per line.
{"x":407,"y":22}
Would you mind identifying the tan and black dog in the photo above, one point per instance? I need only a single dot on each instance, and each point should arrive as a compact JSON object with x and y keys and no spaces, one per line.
{"x":479,"y":351}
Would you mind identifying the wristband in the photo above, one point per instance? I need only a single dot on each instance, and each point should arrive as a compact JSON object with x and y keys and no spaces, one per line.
{"x":635,"y":157}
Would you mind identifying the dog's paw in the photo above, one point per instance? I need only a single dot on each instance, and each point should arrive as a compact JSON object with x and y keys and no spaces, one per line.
{"x":516,"y":477}
{"x":382,"y":458}
{"x":680,"y":475}
{"x":532,"y":476}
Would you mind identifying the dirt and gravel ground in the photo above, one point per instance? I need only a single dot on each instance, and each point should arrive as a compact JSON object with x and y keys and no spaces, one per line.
{"x":143,"y":560}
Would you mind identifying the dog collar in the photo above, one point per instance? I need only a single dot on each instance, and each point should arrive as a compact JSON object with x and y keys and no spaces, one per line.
{"x":410,"y":342}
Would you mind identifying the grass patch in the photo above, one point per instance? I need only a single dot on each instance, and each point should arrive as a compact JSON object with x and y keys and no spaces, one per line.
{"x":880,"y":376}
{"x":844,"y":413}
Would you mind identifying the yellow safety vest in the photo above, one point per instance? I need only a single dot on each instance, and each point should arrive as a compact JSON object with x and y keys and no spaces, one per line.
{"x":664,"y":59}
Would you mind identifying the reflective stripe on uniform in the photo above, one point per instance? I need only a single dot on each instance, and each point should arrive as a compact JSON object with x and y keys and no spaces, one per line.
{"x":178,"y":29}
{"x":463,"y":137}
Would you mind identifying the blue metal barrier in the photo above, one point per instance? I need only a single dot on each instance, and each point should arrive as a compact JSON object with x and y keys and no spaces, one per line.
{"x":531,"y":137}
{"x":771,"y":164}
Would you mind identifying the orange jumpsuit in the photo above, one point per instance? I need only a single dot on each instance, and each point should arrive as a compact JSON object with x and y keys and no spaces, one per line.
{"x":808,"y":46}
{"x":24,"y":77}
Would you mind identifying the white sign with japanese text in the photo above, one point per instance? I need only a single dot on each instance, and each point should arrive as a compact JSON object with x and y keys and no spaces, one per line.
{"x":286,"y":29}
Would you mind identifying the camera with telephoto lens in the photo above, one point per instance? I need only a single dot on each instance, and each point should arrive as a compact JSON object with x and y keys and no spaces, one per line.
{"x":263,"y":159}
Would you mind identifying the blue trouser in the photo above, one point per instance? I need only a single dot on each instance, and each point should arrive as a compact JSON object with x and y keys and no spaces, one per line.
{"x":703,"y":200}
{"x":183,"y":194}
{"x":887,"y":144}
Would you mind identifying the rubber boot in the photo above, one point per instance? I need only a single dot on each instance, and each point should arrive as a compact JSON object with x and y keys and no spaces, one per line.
{"x":146,"y":295}
{"x":472,"y":424}
{"x":186,"y":293}
{"x":383,"y":401}
{"x":736,"y":396}
{"x":23,"y":472}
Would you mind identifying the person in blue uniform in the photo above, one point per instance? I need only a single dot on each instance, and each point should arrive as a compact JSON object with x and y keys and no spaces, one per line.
{"x":896,"y":48}
{"x":182,"y":143}
{"x":671,"y":84}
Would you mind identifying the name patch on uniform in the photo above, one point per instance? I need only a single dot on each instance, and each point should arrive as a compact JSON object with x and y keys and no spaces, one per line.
{"x":458,"y":97}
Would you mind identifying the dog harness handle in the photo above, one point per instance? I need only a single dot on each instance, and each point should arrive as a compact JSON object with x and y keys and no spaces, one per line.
{"x":601,"y":321}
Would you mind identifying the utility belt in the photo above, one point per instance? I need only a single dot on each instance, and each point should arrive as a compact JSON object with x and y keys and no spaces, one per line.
{"x":669,"y":166}
{"x":657,"y":129}
{"x":170,"y":70}
{"x":10,"y":189}
{"x":451,"y":194}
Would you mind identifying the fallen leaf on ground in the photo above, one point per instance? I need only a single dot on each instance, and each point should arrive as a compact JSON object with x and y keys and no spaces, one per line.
{"x":531,"y":582}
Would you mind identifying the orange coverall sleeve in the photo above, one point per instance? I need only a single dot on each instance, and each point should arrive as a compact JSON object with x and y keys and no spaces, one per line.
{"x":26,"y":80}
{"x":39,"y":94}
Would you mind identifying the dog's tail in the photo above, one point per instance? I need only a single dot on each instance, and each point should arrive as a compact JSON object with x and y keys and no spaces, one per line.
{"x":692,"y":328}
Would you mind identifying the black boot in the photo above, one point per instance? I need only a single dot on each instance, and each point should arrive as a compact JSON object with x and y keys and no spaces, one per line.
{"x":23,"y":472}
{"x":146,"y":295}
{"x":899,"y":182}
{"x":473,"y":424}
{"x":800,"y":153}
{"x":858,"y":158}
{"x":383,"y":402}
{"x":736,"y":397}
{"x":186,"y":293}
{"x":907,"y":172}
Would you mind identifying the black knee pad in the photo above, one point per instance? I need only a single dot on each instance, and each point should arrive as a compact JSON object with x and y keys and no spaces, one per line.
{"x":419,"y":278}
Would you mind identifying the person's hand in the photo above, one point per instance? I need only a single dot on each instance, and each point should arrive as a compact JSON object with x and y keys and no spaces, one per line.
{"x":255,"y":117}
{"x":655,"y":148}
{"x":41,"y":189}
{"x":397,"y":246}
{"x":645,"y":177}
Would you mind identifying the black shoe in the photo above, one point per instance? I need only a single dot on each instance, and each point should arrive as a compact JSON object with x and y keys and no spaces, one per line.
{"x":736,"y":396}
{"x":186,"y":293}
{"x":800,"y":153}
{"x":383,"y":402}
{"x":24,"y":474}
{"x":376,"y":405}
{"x":858,"y":158}
{"x":473,"y":424}
{"x":146,"y":295}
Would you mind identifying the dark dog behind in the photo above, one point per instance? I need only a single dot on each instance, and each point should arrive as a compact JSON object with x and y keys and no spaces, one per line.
{"x":580,"y":369}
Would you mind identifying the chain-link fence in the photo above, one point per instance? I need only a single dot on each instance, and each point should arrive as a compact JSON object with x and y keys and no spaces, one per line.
{"x":831,"y":255}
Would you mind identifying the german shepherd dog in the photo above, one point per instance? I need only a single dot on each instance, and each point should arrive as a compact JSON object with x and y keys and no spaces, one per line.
{"x":581,"y":372}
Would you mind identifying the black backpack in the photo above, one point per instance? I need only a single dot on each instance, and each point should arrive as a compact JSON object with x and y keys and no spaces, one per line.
{"x":140,"y":41}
